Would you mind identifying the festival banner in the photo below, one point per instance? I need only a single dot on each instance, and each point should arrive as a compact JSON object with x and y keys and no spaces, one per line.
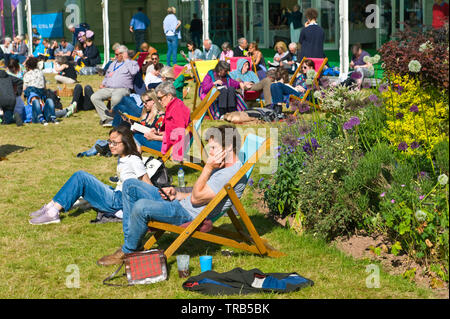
{"x":49,"y":25}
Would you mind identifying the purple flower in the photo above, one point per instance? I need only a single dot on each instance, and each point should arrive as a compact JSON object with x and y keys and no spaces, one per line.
{"x":310,"y":146}
{"x":399,"y":115}
{"x":378,"y":103}
{"x":356,"y":75}
{"x":422,"y":174}
{"x":250,"y":181}
{"x":402,"y":146}
{"x":291,"y":120}
{"x":347,"y":126}
{"x":303,"y":107}
{"x":355,"y":121}
{"x":382,"y":88}
{"x":290,"y":140}
{"x":373,"y":98}
{"x":414,"y":145}
{"x":400,"y":89}
{"x":366,"y":85}
{"x":414,"y":108}
{"x":261,"y":179}
{"x":351,"y":123}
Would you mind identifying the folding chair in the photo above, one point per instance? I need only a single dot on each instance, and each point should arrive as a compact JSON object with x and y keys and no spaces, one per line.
{"x":191,"y":134}
{"x":253,"y":148}
{"x":319,"y":64}
{"x":200,"y":69}
{"x":248,"y":95}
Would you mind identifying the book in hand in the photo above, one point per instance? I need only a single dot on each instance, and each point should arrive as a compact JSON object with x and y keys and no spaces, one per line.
{"x":139,"y":128}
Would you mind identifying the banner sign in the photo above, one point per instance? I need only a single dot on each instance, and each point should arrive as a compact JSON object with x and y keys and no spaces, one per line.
{"x":48,"y":25}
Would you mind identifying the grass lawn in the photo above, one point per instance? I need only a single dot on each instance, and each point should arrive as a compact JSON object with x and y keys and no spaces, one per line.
{"x":37,"y":261}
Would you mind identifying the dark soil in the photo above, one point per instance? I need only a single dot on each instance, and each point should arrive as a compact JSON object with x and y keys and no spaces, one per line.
{"x":362,"y":246}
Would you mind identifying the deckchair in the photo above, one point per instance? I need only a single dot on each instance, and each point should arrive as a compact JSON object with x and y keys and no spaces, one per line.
{"x":200,"y":69}
{"x":253,"y":148}
{"x":140,"y":58}
{"x":191,"y":134}
{"x":248,"y":95}
{"x":319,"y":64}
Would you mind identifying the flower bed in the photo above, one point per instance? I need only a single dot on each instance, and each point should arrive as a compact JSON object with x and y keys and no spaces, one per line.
{"x":374,"y":160}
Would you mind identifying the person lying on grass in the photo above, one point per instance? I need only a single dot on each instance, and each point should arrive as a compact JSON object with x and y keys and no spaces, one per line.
{"x":99,"y":195}
{"x":143,"y":203}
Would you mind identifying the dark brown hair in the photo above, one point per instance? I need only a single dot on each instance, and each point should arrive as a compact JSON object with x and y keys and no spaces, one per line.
{"x":222,"y":65}
{"x":225,"y":135}
{"x":311,"y":14}
{"x":129,"y":144}
{"x":31,"y":63}
{"x":309,"y":63}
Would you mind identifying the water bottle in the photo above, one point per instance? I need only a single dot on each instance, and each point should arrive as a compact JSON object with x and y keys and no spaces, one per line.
{"x":180,"y":177}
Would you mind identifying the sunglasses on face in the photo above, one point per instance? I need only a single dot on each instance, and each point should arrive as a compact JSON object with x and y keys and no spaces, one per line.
{"x":113,"y":143}
{"x":161,"y":97}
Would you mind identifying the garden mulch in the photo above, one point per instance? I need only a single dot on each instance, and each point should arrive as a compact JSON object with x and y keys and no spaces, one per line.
{"x":363,"y":246}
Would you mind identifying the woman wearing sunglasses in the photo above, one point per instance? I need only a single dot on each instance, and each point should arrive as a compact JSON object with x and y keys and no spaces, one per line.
{"x":99,"y":195}
{"x":280,"y":91}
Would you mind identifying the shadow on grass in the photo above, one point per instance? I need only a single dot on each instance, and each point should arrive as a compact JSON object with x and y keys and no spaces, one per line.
{"x":197,"y":247}
{"x":8,"y":149}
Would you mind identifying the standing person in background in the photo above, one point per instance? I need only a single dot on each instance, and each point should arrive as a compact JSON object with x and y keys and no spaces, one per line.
{"x":196,"y":30}
{"x":294,"y":20}
{"x":171,"y":26}
{"x":138,"y":25}
{"x":312,"y":37}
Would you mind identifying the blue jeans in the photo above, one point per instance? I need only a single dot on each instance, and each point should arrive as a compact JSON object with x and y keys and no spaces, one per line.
{"x":172,"y":47}
{"x":280,"y":90}
{"x":99,"y":195}
{"x":48,"y":112}
{"x":126,"y":105}
{"x":143,"y":203}
{"x":141,"y":140}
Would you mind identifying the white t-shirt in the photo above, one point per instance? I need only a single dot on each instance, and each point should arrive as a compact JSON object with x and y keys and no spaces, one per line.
{"x":129,"y":166}
{"x":150,"y":78}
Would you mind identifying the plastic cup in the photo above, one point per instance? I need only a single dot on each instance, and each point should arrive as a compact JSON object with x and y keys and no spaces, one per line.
{"x":183,"y":266}
{"x":205,"y":263}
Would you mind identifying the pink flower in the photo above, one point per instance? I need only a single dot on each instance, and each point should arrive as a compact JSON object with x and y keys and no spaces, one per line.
{"x":421,"y":197}
{"x":403,"y":185}
{"x":382,"y":194}
{"x":392,"y":201}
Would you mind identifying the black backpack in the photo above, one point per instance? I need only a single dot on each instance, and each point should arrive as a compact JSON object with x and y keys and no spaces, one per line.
{"x":52,"y":95}
{"x":264,"y":114}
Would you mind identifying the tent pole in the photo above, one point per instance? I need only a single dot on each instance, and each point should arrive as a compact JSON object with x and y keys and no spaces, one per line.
{"x":29,"y":27}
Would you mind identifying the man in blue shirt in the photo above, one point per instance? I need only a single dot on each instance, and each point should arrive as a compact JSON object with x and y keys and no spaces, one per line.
{"x":138,"y":25}
{"x":210,"y":50}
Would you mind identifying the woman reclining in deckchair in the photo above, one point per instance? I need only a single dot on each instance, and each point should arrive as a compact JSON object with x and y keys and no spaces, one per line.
{"x":144,"y":203}
{"x":99,"y":195}
{"x":280,"y":91}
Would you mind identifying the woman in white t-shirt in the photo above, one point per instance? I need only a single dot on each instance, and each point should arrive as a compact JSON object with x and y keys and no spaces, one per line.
{"x":99,"y":195}
{"x":153,"y":76}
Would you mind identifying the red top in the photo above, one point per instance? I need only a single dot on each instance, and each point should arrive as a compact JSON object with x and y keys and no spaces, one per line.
{"x":177,"y":118}
{"x":440,"y":15}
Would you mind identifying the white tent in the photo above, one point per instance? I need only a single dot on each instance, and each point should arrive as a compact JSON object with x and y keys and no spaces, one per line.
{"x":105,"y":29}
{"x":344,"y":40}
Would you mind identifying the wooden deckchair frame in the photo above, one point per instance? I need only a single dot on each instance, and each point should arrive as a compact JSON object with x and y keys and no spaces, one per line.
{"x":197,"y":84}
{"x":196,"y":115}
{"x":315,"y":80}
{"x":239,"y":239}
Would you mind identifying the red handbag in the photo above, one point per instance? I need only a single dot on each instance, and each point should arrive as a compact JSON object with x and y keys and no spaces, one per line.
{"x":145,"y":267}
